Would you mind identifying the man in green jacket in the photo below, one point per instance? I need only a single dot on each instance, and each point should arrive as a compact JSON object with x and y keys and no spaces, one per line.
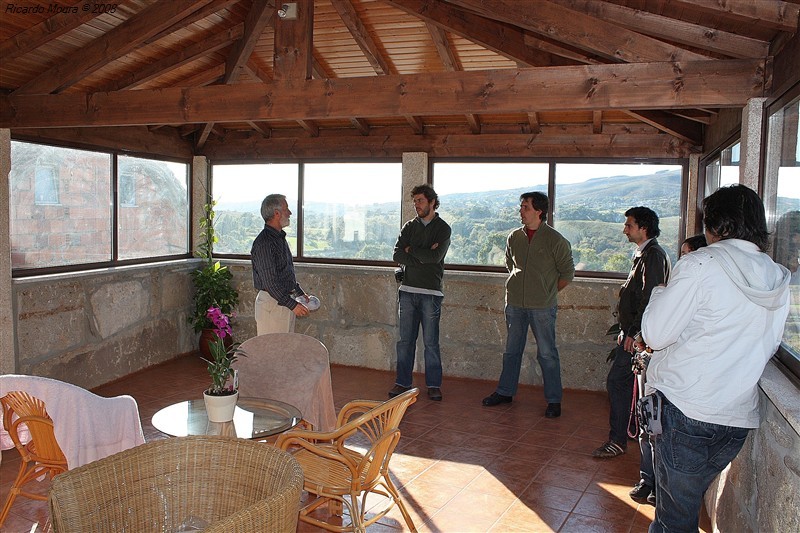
{"x":420,"y":248}
{"x":539,"y":263}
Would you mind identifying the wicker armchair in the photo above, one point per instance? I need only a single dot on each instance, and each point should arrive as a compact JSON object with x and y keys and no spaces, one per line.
{"x":338,"y":473}
{"x":221,"y":484}
{"x":42,"y":456}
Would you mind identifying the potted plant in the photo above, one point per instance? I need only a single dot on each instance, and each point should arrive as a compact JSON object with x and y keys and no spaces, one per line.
{"x":213,"y":285}
{"x":221,"y":396}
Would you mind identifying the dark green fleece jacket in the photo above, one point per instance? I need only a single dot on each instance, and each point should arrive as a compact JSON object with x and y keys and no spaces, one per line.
{"x":424,"y":268}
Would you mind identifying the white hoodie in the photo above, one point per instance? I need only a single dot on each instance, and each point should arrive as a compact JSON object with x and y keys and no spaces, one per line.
{"x":713,"y":328}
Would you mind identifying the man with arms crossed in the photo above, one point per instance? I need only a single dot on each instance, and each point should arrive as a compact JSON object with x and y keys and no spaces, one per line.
{"x":420,"y":248}
{"x":651,"y":267}
{"x":273,"y":271}
{"x":539,"y":263}
{"x":713,"y":329}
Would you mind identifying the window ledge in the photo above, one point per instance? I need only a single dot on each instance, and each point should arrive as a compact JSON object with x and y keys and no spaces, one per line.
{"x":781,"y":392}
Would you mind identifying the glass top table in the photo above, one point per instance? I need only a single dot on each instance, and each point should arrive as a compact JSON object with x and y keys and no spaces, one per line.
{"x":254,"y":418}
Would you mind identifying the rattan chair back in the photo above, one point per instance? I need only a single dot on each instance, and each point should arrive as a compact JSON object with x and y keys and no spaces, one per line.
{"x":220,"y":484}
{"x":41,"y":456}
{"x":343,"y":466}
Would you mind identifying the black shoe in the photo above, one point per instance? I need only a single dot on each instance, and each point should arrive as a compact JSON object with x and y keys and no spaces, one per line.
{"x":397,"y":390}
{"x":553,"y":410}
{"x":641,"y":492}
{"x":651,"y":498}
{"x":496,"y":399}
{"x":435,"y":394}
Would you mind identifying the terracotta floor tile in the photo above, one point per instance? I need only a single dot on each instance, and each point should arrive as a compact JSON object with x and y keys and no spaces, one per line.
{"x":459,"y":466}
{"x":520,"y":517}
{"x":540,"y":495}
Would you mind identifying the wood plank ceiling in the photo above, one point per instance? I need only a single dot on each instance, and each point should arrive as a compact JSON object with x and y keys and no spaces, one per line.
{"x":235,"y":79}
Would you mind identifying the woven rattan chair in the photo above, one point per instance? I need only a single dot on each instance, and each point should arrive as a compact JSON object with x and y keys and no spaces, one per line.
{"x":221,"y":484}
{"x":337,"y":473}
{"x":41,"y":456}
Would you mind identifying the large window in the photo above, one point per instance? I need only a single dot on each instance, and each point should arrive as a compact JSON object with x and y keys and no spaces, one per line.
{"x":722,"y":169}
{"x":783,"y":180}
{"x":590,"y":205}
{"x":481,"y":203}
{"x":62,"y":207}
{"x":349,"y":211}
{"x":238,"y":191}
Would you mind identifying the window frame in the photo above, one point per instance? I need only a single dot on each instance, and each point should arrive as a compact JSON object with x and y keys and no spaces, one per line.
{"x":114,"y":261}
{"x":788,"y":361}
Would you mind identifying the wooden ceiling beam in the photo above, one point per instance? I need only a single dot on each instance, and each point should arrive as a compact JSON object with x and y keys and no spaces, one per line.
{"x":579,"y":56}
{"x":589,"y":87}
{"x":361,"y":125}
{"x":449,"y":145}
{"x":362,"y":37}
{"x":782,"y":16}
{"x":533,"y":122}
{"x":310,"y":126}
{"x":257,"y":19}
{"x":47,"y":30}
{"x":689,"y":131}
{"x":293,"y":48}
{"x":112,"y":45}
{"x":698,"y":115}
{"x":176,"y":60}
{"x":416,"y":124}
{"x":265,"y":130}
{"x":595,"y":35}
{"x":204,"y":77}
{"x":597,"y":122}
{"x":714,"y":40}
{"x":506,"y":40}
{"x":209,"y":9}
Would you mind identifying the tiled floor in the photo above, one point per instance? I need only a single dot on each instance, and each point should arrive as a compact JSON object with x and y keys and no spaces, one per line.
{"x":460,"y":466}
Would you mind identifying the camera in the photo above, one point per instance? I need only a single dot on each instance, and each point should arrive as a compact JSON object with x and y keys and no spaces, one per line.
{"x":398,"y":274}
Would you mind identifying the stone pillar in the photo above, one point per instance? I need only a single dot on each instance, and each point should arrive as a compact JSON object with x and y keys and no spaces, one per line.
{"x":8,"y":358}
{"x":200,"y":190}
{"x":751,"y":142}
{"x":415,"y":172}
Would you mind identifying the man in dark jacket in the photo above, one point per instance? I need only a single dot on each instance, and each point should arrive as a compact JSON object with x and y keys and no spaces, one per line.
{"x":651,"y":267}
{"x":420,"y":248}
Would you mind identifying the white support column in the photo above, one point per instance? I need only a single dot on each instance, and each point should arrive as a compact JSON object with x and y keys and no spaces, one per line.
{"x":751,"y":142}
{"x":8,"y":360}
{"x":415,"y":172}
{"x":200,"y":187}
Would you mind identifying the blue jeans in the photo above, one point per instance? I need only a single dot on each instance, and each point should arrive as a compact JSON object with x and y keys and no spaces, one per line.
{"x":689,"y":455}
{"x":543,"y":324}
{"x":415,"y":310}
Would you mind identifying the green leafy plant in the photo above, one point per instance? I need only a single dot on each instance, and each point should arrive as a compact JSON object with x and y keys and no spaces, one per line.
{"x":213,"y":282}
{"x":222,"y":356}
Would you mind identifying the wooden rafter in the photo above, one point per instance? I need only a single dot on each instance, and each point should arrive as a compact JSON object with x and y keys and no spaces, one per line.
{"x":676,"y":30}
{"x":111,"y":45}
{"x":597,"y":122}
{"x":679,"y":127}
{"x":533,"y":122}
{"x":41,"y":33}
{"x":362,"y":37}
{"x":176,"y":60}
{"x":506,"y":40}
{"x":361,"y":125}
{"x":782,"y":16}
{"x":257,"y":19}
{"x":606,"y":39}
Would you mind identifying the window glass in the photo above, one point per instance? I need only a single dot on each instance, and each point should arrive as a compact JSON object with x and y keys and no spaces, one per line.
{"x":238,"y":191}
{"x":60,"y":208}
{"x":590,"y":205}
{"x":46,"y":186}
{"x":480,"y":201}
{"x":351,"y":210}
{"x":153,"y":214}
{"x":783,"y":171}
{"x":723,"y":169}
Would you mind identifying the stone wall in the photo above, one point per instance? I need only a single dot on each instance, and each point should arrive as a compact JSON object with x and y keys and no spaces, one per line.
{"x":357,"y":322}
{"x":94,"y":327}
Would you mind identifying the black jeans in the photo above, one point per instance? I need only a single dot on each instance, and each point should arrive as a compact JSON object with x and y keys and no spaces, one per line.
{"x":619,"y":385}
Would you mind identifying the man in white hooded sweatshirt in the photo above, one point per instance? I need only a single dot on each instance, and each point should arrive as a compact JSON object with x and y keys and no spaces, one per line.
{"x":712,"y":328}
